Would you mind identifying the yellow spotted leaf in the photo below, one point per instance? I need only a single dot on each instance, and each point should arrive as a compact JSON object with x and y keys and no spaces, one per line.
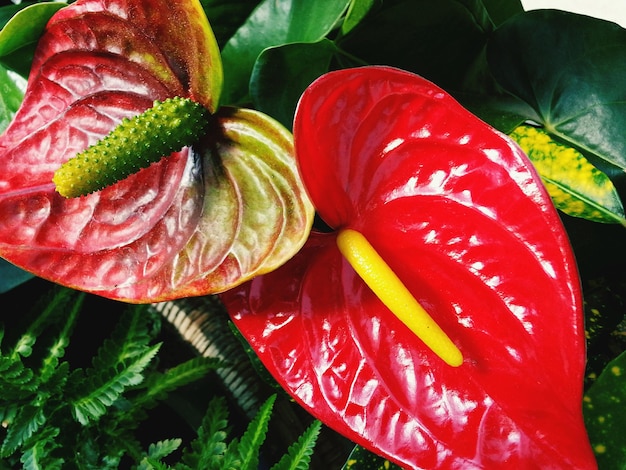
{"x":576,"y":186}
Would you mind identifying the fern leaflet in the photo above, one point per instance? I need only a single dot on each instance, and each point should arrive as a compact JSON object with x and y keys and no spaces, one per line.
{"x":207,"y":450}
{"x":158,"y":385}
{"x":49,"y":308}
{"x":27,"y":421}
{"x":57,"y":350}
{"x":37,"y":451}
{"x":254,"y":435}
{"x":131,"y":336}
{"x":298,"y":456}
{"x":106,"y":386}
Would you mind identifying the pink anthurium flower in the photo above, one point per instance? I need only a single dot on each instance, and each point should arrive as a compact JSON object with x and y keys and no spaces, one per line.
{"x":204,"y":219}
{"x":457,"y":212}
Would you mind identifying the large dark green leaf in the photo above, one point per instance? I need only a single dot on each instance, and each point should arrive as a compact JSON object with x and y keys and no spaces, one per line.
{"x":605,"y":415}
{"x":570,"y":70}
{"x":282,"y":73}
{"x":11,"y":276}
{"x":438,"y":40}
{"x":226,"y":16}
{"x":273,"y":23}
{"x":501,"y":10}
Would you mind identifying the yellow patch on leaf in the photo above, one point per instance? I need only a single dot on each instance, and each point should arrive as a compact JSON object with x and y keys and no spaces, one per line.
{"x":576,"y":186}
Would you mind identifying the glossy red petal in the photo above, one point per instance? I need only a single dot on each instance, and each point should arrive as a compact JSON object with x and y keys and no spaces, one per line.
{"x":460,"y":215}
{"x":184,"y":226}
{"x":96,"y":64}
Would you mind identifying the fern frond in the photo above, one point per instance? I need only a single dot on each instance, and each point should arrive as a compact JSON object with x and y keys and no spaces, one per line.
{"x":26,"y":422}
{"x":254,"y":436}
{"x":8,"y":411}
{"x":55,"y":383}
{"x":158,"y":385}
{"x":230,"y":460}
{"x":105,"y":387}
{"x":130,"y":337}
{"x":157,"y":452}
{"x":298,"y":456}
{"x":57,"y":350}
{"x":152,"y":464}
{"x":162,"y":449}
{"x":118,"y":441}
{"x":207,"y":450}
{"x":36,"y":455}
{"x":50,"y":306}
{"x":90,"y":452}
{"x":16,"y":380}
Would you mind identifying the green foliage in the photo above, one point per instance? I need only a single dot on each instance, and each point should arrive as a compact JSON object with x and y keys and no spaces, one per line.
{"x":299,"y":454}
{"x":211,"y":451}
{"x":575,"y":185}
{"x":226,"y":16}
{"x":562,"y":76}
{"x":22,"y":26}
{"x":605,"y":415}
{"x":12,"y":87}
{"x":53,"y":414}
{"x":291,"y":21}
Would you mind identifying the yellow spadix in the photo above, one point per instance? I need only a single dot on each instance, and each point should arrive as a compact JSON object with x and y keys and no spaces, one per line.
{"x":377,"y":274}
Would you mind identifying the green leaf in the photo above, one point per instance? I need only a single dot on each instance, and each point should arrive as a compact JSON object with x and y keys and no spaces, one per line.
{"x":50,"y":363}
{"x":10,"y":275}
{"x":298,"y":456}
{"x":158,"y":385}
{"x":605,"y":415}
{"x":577,"y":187}
{"x":282,"y":73}
{"x":274,"y":23}
{"x":357,"y":10}
{"x":12,"y":88}
{"x":130,"y":338}
{"x":16,"y":381}
{"x":163,"y":448}
{"x":50,"y":307}
{"x":252,"y":439}
{"x":568,"y":68}
{"x":207,"y":450}
{"x":36,"y":454}
{"x":103,"y":388}
{"x":226,"y":16}
{"x":9,"y":11}
{"x":27,"y":421}
{"x":19,"y":36}
{"x":438,"y":40}
{"x":501,"y":10}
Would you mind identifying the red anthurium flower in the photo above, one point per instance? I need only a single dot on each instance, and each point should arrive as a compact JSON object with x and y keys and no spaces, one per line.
{"x":459,"y":215}
{"x":200,"y":221}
